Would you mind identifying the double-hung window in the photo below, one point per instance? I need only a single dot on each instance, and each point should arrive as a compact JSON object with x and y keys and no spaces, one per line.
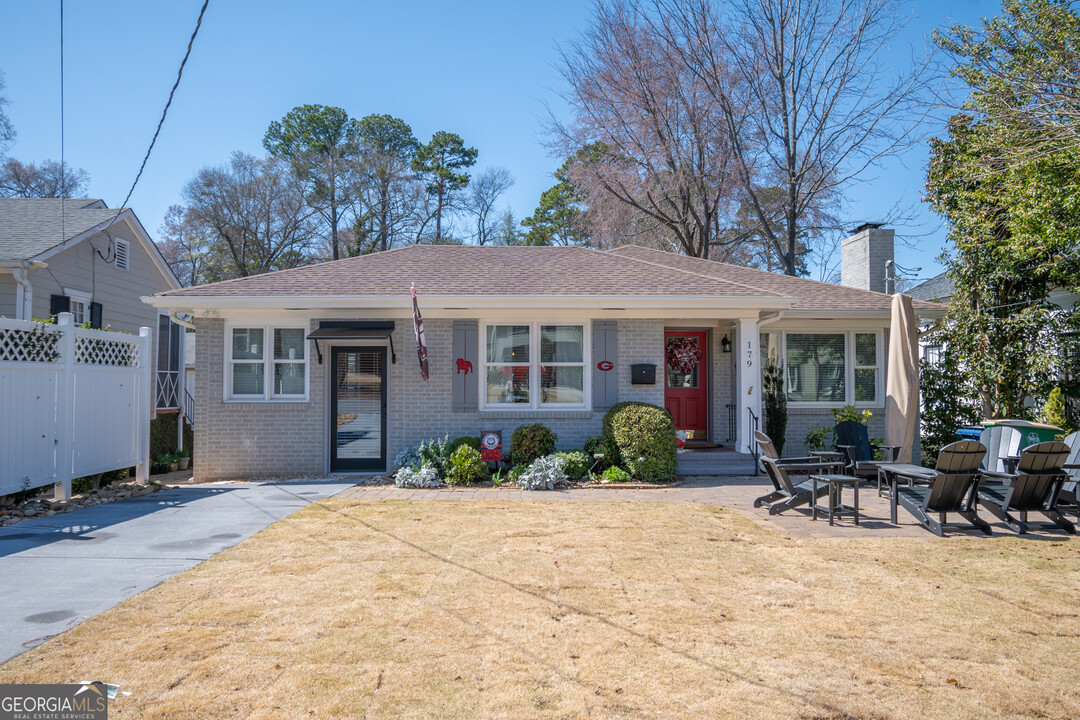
{"x":267,"y":363}
{"x":835,"y":368}
{"x":534,"y":365}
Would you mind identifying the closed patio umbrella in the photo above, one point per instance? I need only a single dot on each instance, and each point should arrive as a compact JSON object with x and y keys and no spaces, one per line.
{"x":902,"y":393}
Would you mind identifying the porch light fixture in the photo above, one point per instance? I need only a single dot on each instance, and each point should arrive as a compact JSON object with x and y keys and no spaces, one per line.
{"x":725,"y":344}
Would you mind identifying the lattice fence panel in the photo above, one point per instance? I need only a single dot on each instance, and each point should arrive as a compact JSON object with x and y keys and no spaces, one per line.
{"x":96,"y":351}
{"x":39,"y":344}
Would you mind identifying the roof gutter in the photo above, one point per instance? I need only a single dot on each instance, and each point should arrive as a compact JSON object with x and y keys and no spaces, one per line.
{"x":404,"y":302}
{"x":24,"y":293}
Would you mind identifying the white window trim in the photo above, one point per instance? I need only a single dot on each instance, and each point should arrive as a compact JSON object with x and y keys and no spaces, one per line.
{"x":849,"y":367}
{"x":878,"y":400}
{"x":534,"y":404}
{"x":79,"y":296}
{"x":268,"y":365}
{"x":127,"y":255}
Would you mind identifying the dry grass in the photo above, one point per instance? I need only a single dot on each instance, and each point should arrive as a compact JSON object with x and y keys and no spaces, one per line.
{"x":605,"y":609}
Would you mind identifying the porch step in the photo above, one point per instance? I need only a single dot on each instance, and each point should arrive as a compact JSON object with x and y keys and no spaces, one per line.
{"x":722,"y":462}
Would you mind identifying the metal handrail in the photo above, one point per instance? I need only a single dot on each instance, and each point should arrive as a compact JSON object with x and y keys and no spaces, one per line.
{"x":189,"y":408}
{"x":754,"y":449}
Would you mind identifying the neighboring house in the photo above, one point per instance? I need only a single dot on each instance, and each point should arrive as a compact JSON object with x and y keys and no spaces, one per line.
{"x":314,"y":369}
{"x":79,"y":256}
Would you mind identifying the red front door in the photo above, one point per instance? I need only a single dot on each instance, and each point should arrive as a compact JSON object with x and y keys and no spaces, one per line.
{"x":686,"y":381}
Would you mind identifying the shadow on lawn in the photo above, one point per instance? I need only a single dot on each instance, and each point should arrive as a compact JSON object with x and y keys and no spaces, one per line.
{"x":569,"y":608}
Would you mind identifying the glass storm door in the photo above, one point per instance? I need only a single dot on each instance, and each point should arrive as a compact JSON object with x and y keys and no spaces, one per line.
{"x":686,"y":386}
{"x":358,"y":409}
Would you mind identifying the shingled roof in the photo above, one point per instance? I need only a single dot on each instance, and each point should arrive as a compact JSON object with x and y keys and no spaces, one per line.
{"x":538,"y":272}
{"x":810,"y":294}
{"x":459,"y":270}
{"x":30,"y":226}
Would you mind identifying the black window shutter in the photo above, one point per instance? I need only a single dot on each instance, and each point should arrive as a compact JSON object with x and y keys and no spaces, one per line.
{"x":59,"y":304}
{"x":95,"y":315}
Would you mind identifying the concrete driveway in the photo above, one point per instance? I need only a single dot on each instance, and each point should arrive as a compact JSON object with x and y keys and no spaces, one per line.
{"x":57,"y":571}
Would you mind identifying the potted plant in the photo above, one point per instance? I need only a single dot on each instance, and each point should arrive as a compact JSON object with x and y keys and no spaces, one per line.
{"x":161,"y":465}
{"x":184,"y":458}
{"x":173,"y":462}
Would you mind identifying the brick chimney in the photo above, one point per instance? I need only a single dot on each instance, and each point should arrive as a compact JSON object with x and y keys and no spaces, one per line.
{"x":863,"y":257}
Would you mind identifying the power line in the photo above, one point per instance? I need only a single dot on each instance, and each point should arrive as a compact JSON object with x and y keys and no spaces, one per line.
{"x":179,"y":74}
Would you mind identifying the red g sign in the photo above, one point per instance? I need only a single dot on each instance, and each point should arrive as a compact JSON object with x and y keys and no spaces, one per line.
{"x":604,"y":365}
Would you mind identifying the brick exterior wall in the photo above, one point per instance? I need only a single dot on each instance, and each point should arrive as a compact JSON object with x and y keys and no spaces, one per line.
{"x":239,"y":439}
{"x":244,"y":439}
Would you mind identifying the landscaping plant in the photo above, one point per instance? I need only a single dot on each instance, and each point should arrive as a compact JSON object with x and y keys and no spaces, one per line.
{"x":815,"y":437}
{"x":595,"y":445}
{"x":615,"y":474}
{"x":409,"y":477}
{"x":576,"y":463}
{"x":473,"y":442}
{"x":530,"y":442}
{"x":772,"y":388}
{"x":466,"y":467}
{"x":543,"y":474}
{"x":644,"y":435}
{"x":436,"y":453}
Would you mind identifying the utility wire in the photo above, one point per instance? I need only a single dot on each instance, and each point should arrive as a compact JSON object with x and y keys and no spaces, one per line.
{"x":157,"y":131}
{"x":179,"y":74}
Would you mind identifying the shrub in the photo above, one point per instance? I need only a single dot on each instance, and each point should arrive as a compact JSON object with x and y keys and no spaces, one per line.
{"x":530,"y":442}
{"x":1055,"y":412}
{"x":595,"y":445}
{"x":848,"y":412}
{"x":516,"y":472}
{"x":772,"y":388}
{"x":473,"y":442}
{"x":615,"y":474}
{"x":436,"y":453}
{"x":408,"y":457}
{"x":543,"y":474}
{"x":816,"y":436}
{"x":425,"y":477}
{"x":644,"y":435}
{"x":466,"y":467}
{"x":575,"y":463}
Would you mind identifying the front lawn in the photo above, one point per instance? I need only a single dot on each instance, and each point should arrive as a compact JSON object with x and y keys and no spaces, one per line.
{"x":508,"y":609}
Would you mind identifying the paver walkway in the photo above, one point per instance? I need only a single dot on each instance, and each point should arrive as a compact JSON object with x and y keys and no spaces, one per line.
{"x":57,"y":571}
{"x":735,"y":493}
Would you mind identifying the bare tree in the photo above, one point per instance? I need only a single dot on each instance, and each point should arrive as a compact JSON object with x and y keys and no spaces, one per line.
{"x":646,"y":130}
{"x":188,"y":247}
{"x":257,"y":214}
{"x":48,"y":180}
{"x":810,"y":95}
{"x":387,"y":148}
{"x":7,"y":130}
{"x":481,"y":197}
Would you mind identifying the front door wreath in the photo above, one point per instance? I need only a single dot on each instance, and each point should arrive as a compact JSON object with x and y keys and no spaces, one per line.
{"x":683,"y":354}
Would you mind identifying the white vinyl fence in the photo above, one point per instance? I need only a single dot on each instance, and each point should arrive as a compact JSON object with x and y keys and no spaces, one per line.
{"x":73,"y":402}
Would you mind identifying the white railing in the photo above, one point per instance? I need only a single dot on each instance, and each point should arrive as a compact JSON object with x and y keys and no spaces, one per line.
{"x":73,"y":402}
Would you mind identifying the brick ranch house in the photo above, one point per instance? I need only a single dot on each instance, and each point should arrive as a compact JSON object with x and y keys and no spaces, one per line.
{"x":314,"y":369}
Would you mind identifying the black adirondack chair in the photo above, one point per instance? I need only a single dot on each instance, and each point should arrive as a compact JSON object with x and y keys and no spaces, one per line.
{"x":1035,"y":488}
{"x":853,"y":439}
{"x":952,"y":491}
{"x":786,"y":492}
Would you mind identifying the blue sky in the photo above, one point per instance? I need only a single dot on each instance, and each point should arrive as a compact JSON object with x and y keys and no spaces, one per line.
{"x":482,"y":70}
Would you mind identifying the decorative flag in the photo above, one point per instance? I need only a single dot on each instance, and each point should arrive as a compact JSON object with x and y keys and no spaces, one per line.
{"x":418,"y":326}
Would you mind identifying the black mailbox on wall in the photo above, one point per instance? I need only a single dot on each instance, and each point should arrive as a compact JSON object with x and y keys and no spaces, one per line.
{"x":643,"y":374}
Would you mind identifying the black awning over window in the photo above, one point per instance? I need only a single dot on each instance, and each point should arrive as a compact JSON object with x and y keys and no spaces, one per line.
{"x":354,"y":330}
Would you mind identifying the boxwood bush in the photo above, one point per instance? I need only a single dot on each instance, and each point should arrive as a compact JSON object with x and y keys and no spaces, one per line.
{"x":644,"y":436}
{"x":473,"y":442}
{"x":530,"y":442}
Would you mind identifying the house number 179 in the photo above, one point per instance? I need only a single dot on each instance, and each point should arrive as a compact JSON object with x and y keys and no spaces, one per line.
{"x":749,"y":355}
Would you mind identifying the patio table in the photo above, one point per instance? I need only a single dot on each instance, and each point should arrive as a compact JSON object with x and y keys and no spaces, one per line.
{"x":836,"y":505}
{"x":890,"y":472}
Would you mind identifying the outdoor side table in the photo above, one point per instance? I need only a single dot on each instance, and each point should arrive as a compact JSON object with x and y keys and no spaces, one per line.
{"x":836,"y":505}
